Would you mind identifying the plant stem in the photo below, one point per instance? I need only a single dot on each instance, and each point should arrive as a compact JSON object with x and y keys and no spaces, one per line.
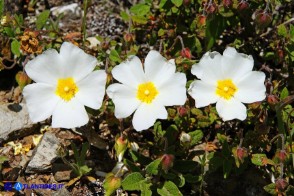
{"x":84,"y":25}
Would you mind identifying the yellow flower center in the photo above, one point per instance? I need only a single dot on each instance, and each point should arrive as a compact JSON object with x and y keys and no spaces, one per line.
{"x":66,"y":88}
{"x":226,"y":89}
{"x":147,"y":92}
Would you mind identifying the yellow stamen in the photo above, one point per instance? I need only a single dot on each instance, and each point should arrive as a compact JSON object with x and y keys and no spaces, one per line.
{"x":66,"y":88}
{"x":226,"y":89}
{"x":147,"y":92}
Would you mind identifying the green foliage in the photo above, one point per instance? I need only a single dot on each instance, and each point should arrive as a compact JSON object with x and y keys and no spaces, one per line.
{"x":42,"y":19}
{"x":2,"y":160}
{"x":168,"y":189}
{"x":15,"y":48}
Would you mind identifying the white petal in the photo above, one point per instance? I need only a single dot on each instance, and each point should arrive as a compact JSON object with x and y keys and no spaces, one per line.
{"x":203,"y":93}
{"x":76,"y":63}
{"x":40,"y":100}
{"x":251,"y":87}
{"x":69,"y":114}
{"x":210,"y":60}
{"x":157,"y":68}
{"x":45,"y":68}
{"x":146,"y":115}
{"x":173,"y":91}
{"x":231,"y":109}
{"x":236,"y":65}
{"x":124,"y":99}
{"x":92,"y":89}
{"x":129,"y":72}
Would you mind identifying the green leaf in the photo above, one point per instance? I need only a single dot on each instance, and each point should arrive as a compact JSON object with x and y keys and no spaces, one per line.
{"x":214,"y":28}
{"x":270,"y":188}
{"x":180,"y":180}
{"x":291,"y":33}
{"x":42,"y":19}
{"x":152,"y":168}
{"x":196,"y":136}
{"x":161,"y":32}
{"x":162,"y":3}
{"x":1,"y":7}
{"x":114,"y":56}
{"x":9,"y":31}
{"x":140,"y":9}
{"x":169,"y":189}
{"x":227,"y":167}
{"x":139,"y":19}
{"x":84,"y":169}
{"x":145,"y":188}
{"x":257,"y":159}
{"x":177,"y":3}
{"x":15,"y":47}
{"x":284,"y":93}
{"x":290,"y":190}
{"x":124,"y":15}
{"x":132,"y":181}
{"x":192,"y":178}
{"x":282,"y":30}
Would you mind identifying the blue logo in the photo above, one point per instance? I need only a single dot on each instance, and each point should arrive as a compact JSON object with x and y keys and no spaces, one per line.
{"x":8,"y":186}
{"x":18,"y":186}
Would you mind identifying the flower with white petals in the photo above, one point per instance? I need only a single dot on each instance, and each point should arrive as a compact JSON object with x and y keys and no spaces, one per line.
{"x":228,"y":81}
{"x":146,"y":91}
{"x":65,"y":83}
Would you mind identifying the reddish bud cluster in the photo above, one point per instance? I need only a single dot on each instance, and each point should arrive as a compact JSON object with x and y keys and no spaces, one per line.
{"x":167,"y":161}
{"x":186,"y":53}
{"x":262,"y":18}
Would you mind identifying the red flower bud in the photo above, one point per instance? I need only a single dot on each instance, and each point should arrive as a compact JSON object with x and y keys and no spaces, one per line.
{"x":227,"y":3}
{"x":211,"y":8}
{"x":202,"y":20}
{"x":185,"y":52}
{"x":281,"y":184}
{"x":243,"y":5}
{"x":241,"y":153}
{"x":167,"y":161}
{"x":282,"y":155}
{"x":129,"y":37}
{"x":186,"y":2}
{"x":262,"y":18}
{"x":22,"y":79}
{"x":272,"y":99}
{"x":182,"y":111}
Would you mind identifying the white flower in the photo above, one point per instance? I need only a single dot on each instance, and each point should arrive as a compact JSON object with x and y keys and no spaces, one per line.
{"x":228,"y":81}
{"x":147,"y":91}
{"x":65,"y":83}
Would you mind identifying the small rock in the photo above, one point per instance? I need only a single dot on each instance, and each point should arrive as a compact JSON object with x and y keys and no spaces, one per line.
{"x":61,"y":172}
{"x":14,"y":121}
{"x":44,"y":154}
{"x":61,"y":192}
{"x":71,"y":9}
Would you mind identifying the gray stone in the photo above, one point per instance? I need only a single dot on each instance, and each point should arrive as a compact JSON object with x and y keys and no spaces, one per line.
{"x":14,"y":121}
{"x":44,"y":154}
{"x":62,"y":192}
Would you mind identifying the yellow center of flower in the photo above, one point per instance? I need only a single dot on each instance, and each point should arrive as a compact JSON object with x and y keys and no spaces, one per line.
{"x":66,"y":88}
{"x":226,"y":89}
{"x":147,"y":92}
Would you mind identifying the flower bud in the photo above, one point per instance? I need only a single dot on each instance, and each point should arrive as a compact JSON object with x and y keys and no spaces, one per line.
{"x":243,"y":5}
{"x":134,"y":146}
{"x":120,"y":147}
{"x":185,"y":138}
{"x":167,"y":161}
{"x":186,"y":52}
{"x":272,"y":99}
{"x":111,"y":183}
{"x":281,"y":155}
{"x":281,"y":184}
{"x":211,"y":8}
{"x":201,"y":20}
{"x":227,"y":3}
{"x":22,"y":79}
{"x":182,"y":111}
{"x":262,"y":18}
{"x":129,"y":37}
{"x":241,"y":153}
{"x":186,"y":2}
